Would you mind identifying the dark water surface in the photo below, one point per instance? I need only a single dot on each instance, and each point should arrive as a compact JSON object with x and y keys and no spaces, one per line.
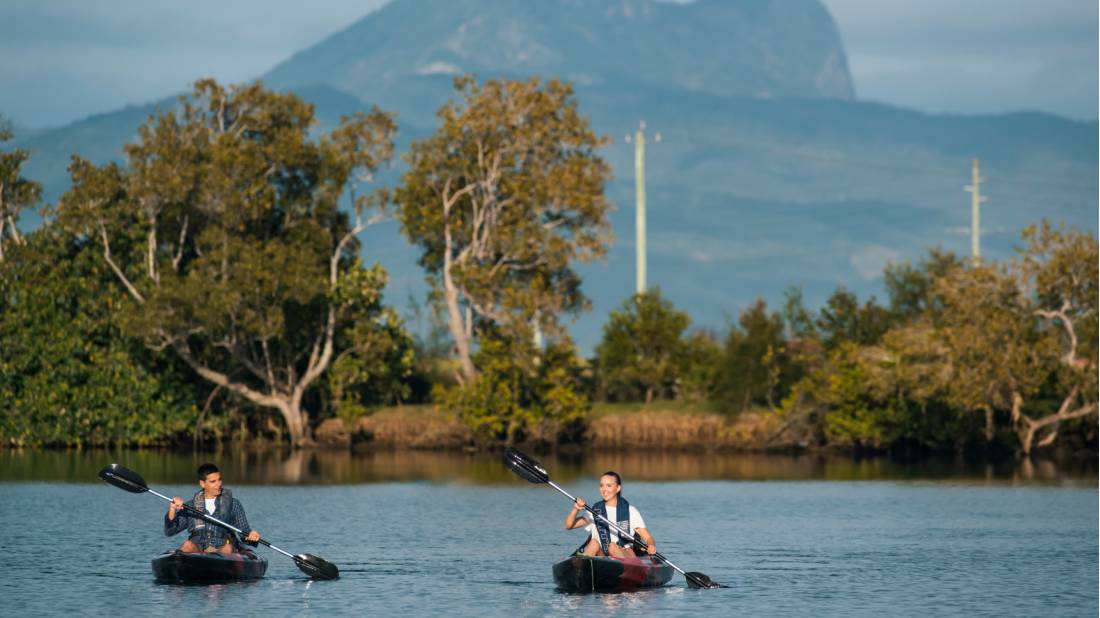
{"x":421,"y":534}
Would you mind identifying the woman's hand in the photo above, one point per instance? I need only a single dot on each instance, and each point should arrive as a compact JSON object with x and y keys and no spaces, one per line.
{"x":651,"y":549}
{"x":252,"y":537}
{"x":571,"y":520}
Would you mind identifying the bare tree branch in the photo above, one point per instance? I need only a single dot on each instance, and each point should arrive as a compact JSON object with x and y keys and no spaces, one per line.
{"x":1062,"y":315}
{"x":114,"y":267}
{"x":179,"y":252}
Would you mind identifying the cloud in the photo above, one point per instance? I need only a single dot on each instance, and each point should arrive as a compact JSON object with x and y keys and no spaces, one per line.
{"x":439,"y":68}
{"x":870,"y":260}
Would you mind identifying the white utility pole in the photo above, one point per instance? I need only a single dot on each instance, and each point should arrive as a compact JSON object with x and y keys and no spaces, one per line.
{"x":639,"y":203}
{"x":976,"y":199}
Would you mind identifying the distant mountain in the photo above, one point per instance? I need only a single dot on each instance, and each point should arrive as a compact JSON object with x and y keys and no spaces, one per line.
{"x":768,"y":174}
{"x":759,"y":48}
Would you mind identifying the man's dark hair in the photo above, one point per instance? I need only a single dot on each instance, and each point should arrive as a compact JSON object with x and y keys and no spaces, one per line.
{"x":206,"y":469}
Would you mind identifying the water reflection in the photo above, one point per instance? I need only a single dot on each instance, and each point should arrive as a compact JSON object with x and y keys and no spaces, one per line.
{"x":341,"y":467}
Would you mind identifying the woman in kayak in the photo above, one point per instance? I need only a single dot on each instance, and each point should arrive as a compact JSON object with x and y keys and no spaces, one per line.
{"x":605,"y":540}
{"x":204,"y":536}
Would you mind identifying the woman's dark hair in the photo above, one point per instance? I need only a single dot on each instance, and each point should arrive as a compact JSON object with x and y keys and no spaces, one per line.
{"x":206,"y":469}
{"x":618,"y":479}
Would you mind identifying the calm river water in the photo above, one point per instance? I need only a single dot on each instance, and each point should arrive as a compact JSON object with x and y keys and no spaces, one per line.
{"x":420,"y":534}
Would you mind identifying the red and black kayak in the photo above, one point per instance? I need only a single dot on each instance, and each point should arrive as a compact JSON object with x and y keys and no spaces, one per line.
{"x":600,"y":574}
{"x":176,"y":567}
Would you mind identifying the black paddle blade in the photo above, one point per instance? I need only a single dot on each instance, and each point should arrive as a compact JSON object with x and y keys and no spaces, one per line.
{"x":526,"y":467}
{"x":316,"y":568}
{"x":124,"y":478}
{"x":695,"y":579}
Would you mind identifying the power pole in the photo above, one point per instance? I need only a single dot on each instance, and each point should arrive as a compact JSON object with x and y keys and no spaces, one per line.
{"x":976,"y":199}
{"x":639,"y":204}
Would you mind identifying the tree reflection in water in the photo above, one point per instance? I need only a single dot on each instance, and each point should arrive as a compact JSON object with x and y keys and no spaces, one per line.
{"x":306,"y":467}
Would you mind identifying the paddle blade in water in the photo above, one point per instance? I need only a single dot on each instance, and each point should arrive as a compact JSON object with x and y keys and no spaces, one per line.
{"x":524,"y":466}
{"x":316,"y":568}
{"x":124,"y":478}
{"x":695,"y":579}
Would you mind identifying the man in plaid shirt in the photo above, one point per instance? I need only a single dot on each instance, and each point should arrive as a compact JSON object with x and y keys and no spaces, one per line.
{"x":205,"y":536}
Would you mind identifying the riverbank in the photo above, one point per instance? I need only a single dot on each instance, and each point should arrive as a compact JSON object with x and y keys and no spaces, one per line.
{"x":673,"y":426}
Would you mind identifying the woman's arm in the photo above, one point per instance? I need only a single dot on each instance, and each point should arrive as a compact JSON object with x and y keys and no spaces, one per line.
{"x":571,"y":520}
{"x":647,"y":538}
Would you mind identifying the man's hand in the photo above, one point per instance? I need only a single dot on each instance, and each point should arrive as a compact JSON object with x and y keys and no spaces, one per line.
{"x":177,"y":503}
{"x":651,"y":549}
{"x":252,"y":537}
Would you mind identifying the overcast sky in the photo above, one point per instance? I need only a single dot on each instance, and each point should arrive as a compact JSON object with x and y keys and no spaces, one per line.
{"x":62,"y":60}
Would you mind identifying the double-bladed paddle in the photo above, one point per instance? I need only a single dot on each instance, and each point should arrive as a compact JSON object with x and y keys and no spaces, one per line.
{"x":124,"y":478}
{"x":530,"y":470}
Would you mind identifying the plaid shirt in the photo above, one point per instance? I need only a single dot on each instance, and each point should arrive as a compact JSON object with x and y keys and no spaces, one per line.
{"x":206,"y":534}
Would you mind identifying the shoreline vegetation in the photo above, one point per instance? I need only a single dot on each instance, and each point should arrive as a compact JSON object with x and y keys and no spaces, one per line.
{"x":660,"y":426}
{"x":212,"y":289}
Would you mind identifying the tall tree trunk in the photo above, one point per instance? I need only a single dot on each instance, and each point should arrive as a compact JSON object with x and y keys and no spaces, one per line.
{"x":295,"y":422}
{"x":289,"y":406}
{"x":457,"y":328}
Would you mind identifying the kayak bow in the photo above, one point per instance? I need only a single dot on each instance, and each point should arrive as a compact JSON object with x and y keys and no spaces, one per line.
{"x":176,"y":567}
{"x":602,"y":574}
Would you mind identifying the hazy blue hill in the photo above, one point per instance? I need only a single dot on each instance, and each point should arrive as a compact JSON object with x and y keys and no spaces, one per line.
{"x":770,"y":48}
{"x":767,"y":174}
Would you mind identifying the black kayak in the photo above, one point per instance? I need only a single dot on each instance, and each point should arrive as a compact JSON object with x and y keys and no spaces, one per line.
{"x":600,"y":574}
{"x":177,"y":567}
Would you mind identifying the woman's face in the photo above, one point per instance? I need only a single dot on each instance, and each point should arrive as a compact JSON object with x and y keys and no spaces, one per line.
{"x":608,"y":487}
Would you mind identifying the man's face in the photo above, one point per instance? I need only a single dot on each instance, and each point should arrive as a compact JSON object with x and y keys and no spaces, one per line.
{"x":212,"y":486}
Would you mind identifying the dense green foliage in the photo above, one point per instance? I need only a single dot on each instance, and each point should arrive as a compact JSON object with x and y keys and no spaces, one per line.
{"x":68,"y":375}
{"x":643,"y":352}
{"x":226,"y":230}
{"x":521,"y":393}
{"x":215,"y":283}
{"x":755,"y":368}
{"x":999,"y":356}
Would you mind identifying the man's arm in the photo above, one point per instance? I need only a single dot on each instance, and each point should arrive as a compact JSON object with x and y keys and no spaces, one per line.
{"x":176,"y":520}
{"x":239,"y":520}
